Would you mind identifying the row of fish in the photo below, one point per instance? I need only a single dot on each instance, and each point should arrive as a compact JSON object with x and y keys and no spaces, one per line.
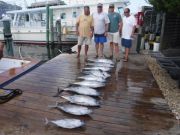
{"x":94,"y":75}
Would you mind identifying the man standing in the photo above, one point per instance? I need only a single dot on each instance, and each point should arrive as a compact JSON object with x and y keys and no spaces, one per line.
{"x":113,"y":34}
{"x":127,"y":27}
{"x":1,"y":49}
{"x":84,"y":29}
{"x":101,"y":22}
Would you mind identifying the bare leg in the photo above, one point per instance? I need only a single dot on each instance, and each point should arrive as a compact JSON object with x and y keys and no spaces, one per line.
{"x":86,"y":50}
{"x":116,"y":46}
{"x":1,"y":49}
{"x":111,"y":49}
{"x":97,"y":49}
{"x":79,"y":50}
{"x":126,"y":53}
{"x":101,"y":49}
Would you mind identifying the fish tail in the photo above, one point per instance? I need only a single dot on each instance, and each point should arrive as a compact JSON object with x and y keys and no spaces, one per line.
{"x":53,"y":106}
{"x":46,"y":121}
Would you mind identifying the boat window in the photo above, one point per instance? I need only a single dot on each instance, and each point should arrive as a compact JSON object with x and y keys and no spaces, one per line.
{"x":120,"y":10}
{"x":63,"y":16}
{"x":27,"y":18}
{"x":74,"y":15}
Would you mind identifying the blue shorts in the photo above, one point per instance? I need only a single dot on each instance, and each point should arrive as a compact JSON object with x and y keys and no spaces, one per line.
{"x":127,"y":43}
{"x":100,"y":38}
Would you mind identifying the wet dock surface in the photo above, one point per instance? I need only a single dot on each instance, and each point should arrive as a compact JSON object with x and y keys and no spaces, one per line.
{"x":131,"y":102}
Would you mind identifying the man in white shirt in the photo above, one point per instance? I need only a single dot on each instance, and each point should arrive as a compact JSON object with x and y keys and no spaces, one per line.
{"x":127,"y":27}
{"x":101,"y":22}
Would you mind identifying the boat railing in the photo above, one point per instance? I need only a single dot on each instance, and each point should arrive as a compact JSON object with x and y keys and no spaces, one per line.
{"x":29,"y":24}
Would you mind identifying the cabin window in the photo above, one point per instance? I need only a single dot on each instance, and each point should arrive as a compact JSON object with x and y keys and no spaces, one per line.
{"x":63,"y":16}
{"x":27,"y":17}
{"x":120,"y":10}
{"x":74,"y":15}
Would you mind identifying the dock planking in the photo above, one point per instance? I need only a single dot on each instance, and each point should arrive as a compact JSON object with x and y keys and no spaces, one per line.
{"x":131,"y":102}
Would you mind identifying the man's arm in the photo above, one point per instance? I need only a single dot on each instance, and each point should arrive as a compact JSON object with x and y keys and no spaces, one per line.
{"x":120,"y":27}
{"x":133,"y":30}
{"x":77,"y":26}
{"x":92,"y":27}
{"x":107,"y":21}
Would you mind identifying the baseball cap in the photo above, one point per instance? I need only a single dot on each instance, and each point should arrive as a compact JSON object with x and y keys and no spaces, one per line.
{"x":99,"y":5}
{"x":111,"y":5}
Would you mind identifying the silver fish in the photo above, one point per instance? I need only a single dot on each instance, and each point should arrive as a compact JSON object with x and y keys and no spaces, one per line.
{"x":97,"y":73}
{"x":105,"y":69}
{"x":83,"y":90}
{"x":107,"y":61}
{"x":92,"y":78}
{"x":82,"y":100}
{"x":91,"y":84}
{"x":72,"y":109}
{"x":66,"y":123}
{"x":98,"y":64}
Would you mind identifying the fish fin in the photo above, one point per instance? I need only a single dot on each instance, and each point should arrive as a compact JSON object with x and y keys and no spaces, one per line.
{"x":46,"y":121}
{"x":53,"y":106}
{"x":58,"y":93}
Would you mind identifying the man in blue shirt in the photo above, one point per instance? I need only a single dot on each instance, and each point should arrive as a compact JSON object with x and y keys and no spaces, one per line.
{"x":113,"y":33}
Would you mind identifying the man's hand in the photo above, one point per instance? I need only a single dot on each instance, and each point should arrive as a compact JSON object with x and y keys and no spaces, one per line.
{"x":91,"y":34}
{"x":132,"y":35}
{"x":77,"y":33}
{"x":105,"y":34}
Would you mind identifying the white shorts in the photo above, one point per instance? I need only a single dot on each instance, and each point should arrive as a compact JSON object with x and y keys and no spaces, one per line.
{"x":84,"y":41}
{"x":114,"y":37}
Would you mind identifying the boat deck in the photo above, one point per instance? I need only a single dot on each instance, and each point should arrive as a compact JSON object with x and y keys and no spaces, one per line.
{"x":131,"y":104}
{"x":10,"y":69}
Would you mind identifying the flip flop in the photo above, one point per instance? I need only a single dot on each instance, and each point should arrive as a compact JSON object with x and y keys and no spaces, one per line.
{"x":125,"y":60}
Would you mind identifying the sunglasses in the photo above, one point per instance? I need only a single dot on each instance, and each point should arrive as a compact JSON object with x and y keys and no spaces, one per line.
{"x":126,"y":12}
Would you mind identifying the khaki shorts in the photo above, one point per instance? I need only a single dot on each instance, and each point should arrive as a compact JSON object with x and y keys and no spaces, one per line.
{"x":114,"y":37}
{"x":84,"y":41}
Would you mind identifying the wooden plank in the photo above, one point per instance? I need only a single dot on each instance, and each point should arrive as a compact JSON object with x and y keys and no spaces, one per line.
{"x":126,"y":107}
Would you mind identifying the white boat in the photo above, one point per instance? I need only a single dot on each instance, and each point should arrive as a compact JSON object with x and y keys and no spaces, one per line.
{"x":29,"y":25}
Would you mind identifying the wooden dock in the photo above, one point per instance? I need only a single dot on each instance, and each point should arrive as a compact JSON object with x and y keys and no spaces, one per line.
{"x":132,"y":103}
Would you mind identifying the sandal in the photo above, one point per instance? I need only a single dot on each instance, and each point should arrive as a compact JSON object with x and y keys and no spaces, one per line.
{"x":96,"y":56}
{"x":125,"y":60}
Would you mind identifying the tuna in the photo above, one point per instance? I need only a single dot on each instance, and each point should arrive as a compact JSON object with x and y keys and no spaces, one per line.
{"x":92,"y":78}
{"x":106,"y":61}
{"x":72,"y":109}
{"x":105,"y":69}
{"x":91,"y":84}
{"x":98,"y":73}
{"x":98,"y":64}
{"x":82,"y":100}
{"x":66,"y":123}
{"x":83,"y":90}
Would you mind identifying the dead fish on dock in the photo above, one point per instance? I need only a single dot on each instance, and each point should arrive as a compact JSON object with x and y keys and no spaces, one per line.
{"x":66,"y":123}
{"x":98,"y":73}
{"x":72,"y":109}
{"x":83,"y":90}
{"x":82,"y":100}
{"x":97,"y":64}
{"x":105,"y":69}
{"x":91,"y":84}
{"x":92,"y":78}
{"x":107,"y":61}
